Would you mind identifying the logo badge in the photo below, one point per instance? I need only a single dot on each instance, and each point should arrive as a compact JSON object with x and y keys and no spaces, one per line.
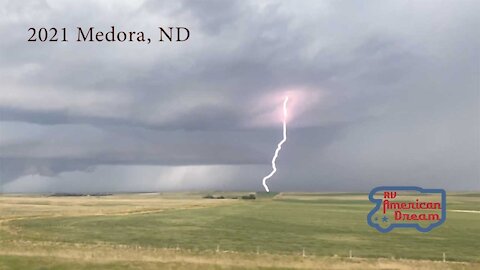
{"x":407,"y":207}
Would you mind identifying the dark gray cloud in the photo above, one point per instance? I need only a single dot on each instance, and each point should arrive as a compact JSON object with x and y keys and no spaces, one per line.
{"x":382,"y":93}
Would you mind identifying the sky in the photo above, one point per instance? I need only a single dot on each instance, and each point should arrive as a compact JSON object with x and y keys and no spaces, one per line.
{"x":380,"y":93}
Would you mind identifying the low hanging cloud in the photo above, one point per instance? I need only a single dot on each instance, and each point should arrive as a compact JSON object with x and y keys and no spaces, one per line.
{"x":381,"y":93}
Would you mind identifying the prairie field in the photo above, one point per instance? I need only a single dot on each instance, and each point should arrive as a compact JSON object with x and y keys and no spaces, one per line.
{"x":187,"y":231}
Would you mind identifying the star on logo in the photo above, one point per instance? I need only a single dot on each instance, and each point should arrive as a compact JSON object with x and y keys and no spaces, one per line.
{"x":385,"y":219}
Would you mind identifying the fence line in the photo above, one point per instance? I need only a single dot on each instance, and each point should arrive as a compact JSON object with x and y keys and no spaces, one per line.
{"x":303,"y":251}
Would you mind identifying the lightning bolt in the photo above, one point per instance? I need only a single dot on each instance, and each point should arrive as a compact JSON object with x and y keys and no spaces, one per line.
{"x":279,"y":146}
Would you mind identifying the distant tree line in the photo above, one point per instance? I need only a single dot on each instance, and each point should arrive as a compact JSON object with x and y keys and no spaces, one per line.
{"x":250,"y":196}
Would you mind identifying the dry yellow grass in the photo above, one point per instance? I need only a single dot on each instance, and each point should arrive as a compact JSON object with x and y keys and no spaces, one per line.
{"x":107,"y":254}
{"x":13,"y":207}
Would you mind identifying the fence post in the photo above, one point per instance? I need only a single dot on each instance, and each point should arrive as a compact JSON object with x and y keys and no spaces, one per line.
{"x":258,"y":250}
{"x":303,"y":252}
{"x":444,"y":257}
{"x":218,"y":248}
{"x":350,"y":254}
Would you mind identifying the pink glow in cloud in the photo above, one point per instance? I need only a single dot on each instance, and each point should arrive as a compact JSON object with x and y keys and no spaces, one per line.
{"x":265,"y":112}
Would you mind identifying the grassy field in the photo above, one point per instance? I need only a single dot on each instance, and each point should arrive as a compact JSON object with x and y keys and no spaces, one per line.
{"x":185,"y":231}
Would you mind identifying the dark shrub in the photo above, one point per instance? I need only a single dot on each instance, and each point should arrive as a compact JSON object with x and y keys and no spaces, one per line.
{"x":249,"y":197}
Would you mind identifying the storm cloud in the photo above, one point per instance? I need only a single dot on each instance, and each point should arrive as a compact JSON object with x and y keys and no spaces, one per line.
{"x":384,"y":92}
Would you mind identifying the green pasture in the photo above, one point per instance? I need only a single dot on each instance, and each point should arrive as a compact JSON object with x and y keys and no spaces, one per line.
{"x":322,"y":225}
